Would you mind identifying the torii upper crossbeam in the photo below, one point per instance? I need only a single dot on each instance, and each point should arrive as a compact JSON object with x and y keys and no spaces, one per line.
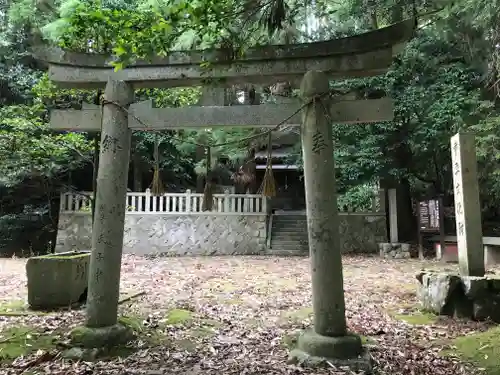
{"x":358,"y":56}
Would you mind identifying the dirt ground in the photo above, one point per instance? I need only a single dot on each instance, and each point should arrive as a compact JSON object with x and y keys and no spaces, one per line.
{"x":240,"y":315}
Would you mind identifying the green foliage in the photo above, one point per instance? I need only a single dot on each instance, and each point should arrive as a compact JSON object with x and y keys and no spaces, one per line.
{"x":47,"y":93}
{"x":358,"y":198}
{"x":441,"y":84}
{"x":28,"y":147}
{"x":436,"y":94}
{"x":17,"y":341}
{"x":139,"y":30}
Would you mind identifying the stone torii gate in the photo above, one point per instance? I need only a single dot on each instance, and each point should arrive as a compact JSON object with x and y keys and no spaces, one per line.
{"x":360,"y":56}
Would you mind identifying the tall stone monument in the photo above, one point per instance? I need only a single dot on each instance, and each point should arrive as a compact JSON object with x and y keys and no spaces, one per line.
{"x":467,"y":205}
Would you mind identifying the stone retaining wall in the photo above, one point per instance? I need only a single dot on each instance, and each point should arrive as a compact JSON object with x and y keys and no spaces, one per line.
{"x":207,"y":234}
{"x":361,"y":233}
{"x":147,"y":234}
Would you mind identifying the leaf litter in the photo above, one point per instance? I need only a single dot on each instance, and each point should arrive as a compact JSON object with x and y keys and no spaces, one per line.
{"x":240,"y":315}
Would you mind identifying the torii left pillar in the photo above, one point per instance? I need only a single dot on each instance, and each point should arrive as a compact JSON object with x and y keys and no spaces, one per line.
{"x":107,"y":231}
{"x":329,"y":339}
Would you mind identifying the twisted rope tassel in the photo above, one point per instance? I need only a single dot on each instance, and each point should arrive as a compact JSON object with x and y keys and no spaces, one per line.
{"x":268,"y":186}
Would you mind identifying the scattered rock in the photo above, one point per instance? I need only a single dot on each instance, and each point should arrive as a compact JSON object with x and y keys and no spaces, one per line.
{"x":460,"y":296}
{"x":394,"y":250}
{"x":81,"y":354}
{"x":436,"y":292}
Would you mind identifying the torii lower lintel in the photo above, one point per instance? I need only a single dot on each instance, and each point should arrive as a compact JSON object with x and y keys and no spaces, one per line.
{"x":145,"y":117}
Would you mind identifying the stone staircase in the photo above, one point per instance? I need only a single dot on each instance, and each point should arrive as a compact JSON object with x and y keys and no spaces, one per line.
{"x":289,"y":235}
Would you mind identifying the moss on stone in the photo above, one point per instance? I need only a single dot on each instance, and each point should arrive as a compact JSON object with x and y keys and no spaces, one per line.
{"x":14,"y":305}
{"x":417,"y":318}
{"x":289,"y":341}
{"x":481,"y":349}
{"x":179,"y":316}
{"x":299,"y":315}
{"x":62,"y":256}
{"x":367,"y":340}
{"x":106,"y":337}
{"x":135,"y":323}
{"x":57,"y":281}
{"x":23,"y":340}
{"x":18,"y":308}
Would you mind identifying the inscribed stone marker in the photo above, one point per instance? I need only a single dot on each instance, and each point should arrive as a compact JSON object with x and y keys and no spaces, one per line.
{"x":467,"y":205}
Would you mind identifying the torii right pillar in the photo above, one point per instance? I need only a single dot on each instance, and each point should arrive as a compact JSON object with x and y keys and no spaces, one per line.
{"x":329,"y":339}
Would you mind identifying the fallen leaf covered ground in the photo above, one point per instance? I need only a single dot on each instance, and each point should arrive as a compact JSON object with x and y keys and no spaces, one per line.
{"x":240,"y":315}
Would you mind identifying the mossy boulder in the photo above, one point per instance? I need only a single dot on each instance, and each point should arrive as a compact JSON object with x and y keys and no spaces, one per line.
{"x":450,"y":294}
{"x":57,"y":280}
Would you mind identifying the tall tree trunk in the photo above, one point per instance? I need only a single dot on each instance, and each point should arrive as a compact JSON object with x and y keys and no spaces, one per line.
{"x":397,"y":11}
{"x":407,"y":223}
{"x":401,"y":156}
{"x":137,"y":170}
{"x":372,"y":14}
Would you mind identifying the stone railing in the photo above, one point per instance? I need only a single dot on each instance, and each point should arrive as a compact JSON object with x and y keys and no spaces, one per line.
{"x":173,"y":203}
{"x":192,"y":203}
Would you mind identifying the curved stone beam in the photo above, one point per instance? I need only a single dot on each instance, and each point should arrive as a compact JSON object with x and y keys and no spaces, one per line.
{"x":362,"y":55}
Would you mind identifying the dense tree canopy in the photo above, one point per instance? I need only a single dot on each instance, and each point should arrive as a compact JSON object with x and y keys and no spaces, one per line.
{"x":445,"y":80}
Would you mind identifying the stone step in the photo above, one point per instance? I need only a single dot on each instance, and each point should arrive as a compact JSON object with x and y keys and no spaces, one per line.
{"x":294,"y":236}
{"x":290,"y":222}
{"x":290,"y":226}
{"x":289,"y":245}
{"x":281,"y":221}
{"x":289,"y":236}
{"x":285,"y":240}
{"x":289,"y":218}
{"x":293,"y":253}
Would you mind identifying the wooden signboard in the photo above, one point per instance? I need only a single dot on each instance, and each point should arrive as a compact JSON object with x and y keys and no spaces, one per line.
{"x":431,"y":220}
{"x":429,"y":213}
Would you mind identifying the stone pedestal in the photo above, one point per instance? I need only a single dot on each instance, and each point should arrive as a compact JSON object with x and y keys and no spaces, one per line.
{"x":329,"y":339}
{"x":57,"y":280}
{"x":394,"y":250}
